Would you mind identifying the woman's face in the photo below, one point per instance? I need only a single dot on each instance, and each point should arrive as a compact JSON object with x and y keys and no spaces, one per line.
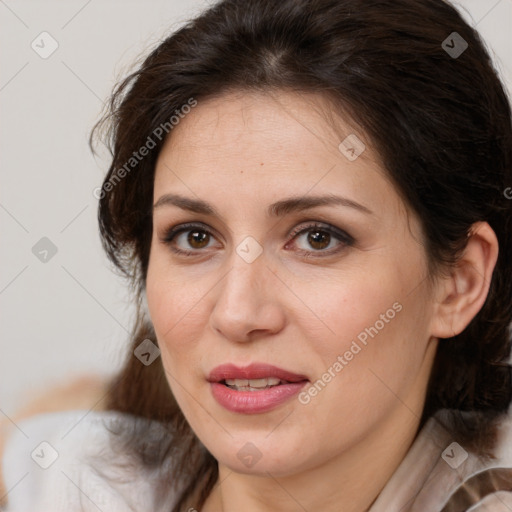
{"x":332,"y":292}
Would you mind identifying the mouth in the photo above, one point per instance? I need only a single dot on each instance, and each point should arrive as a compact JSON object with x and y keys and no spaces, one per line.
{"x":255,"y":388}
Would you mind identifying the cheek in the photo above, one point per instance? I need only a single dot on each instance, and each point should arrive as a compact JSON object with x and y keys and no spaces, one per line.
{"x":177,"y":332}
{"x":375,"y":326}
{"x":177,"y":310}
{"x":347,"y":306}
{"x":374,"y":364}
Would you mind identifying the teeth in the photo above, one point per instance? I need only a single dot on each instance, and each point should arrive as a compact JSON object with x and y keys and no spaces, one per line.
{"x":252,"y":384}
{"x":237,"y":382}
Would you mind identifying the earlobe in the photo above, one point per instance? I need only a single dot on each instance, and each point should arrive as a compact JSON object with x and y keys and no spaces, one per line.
{"x":461,"y":295}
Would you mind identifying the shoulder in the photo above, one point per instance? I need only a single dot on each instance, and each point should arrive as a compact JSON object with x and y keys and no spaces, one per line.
{"x":487,"y":485}
{"x":438,"y":473}
{"x":64,"y":461}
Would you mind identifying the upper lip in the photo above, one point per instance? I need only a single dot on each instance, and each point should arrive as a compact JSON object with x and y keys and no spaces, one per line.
{"x":253,"y":371}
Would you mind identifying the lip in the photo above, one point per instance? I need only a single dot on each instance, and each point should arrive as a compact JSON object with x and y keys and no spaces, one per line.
{"x":254,"y":402}
{"x":253,"y":371}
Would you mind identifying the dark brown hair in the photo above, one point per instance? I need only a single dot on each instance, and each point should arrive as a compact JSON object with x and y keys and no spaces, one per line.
{"x":440,"y":122}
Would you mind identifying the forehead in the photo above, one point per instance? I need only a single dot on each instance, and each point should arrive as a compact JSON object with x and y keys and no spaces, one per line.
{"x":283,"y":119}
{"x":264,"y":145}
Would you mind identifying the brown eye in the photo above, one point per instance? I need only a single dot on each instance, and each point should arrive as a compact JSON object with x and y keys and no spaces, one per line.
{"x":187,"y":239}
{"x":324,"y":240}
{"x":319,"y":239}
{"x":198,"y":239}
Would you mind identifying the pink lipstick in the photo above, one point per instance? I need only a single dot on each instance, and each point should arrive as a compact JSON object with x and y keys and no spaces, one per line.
{"x":254,"y":389}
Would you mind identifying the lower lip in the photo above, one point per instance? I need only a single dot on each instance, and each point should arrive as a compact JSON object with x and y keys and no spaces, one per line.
{"x":253,"y":402}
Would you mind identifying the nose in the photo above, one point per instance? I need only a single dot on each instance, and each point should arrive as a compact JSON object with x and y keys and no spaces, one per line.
{"x":249,"y":301}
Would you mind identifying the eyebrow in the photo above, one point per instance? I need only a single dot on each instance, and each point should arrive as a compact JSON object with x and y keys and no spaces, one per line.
{"x":278,"y":209}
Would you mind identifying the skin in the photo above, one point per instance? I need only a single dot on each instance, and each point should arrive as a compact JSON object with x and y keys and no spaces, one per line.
{"x":241,"y":152}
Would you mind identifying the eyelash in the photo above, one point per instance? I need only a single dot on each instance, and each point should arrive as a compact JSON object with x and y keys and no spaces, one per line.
{"x":345,"y":239}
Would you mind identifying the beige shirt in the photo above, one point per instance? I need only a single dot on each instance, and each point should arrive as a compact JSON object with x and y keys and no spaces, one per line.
{"x":47,"y":468}
{"x":438,"y":474}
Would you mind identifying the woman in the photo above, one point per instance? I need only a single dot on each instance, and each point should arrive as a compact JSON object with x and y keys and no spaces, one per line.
{"x":311,"y":200}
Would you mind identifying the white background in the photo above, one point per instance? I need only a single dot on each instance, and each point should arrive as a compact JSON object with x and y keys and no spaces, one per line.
{"x":72,"y":315}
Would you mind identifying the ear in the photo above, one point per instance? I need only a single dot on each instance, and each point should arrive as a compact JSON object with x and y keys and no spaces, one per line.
{"x":460,"y":296}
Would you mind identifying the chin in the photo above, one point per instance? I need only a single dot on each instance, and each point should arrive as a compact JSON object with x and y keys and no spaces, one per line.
{"x":262,"y":467}
{"x":257,"y":454}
